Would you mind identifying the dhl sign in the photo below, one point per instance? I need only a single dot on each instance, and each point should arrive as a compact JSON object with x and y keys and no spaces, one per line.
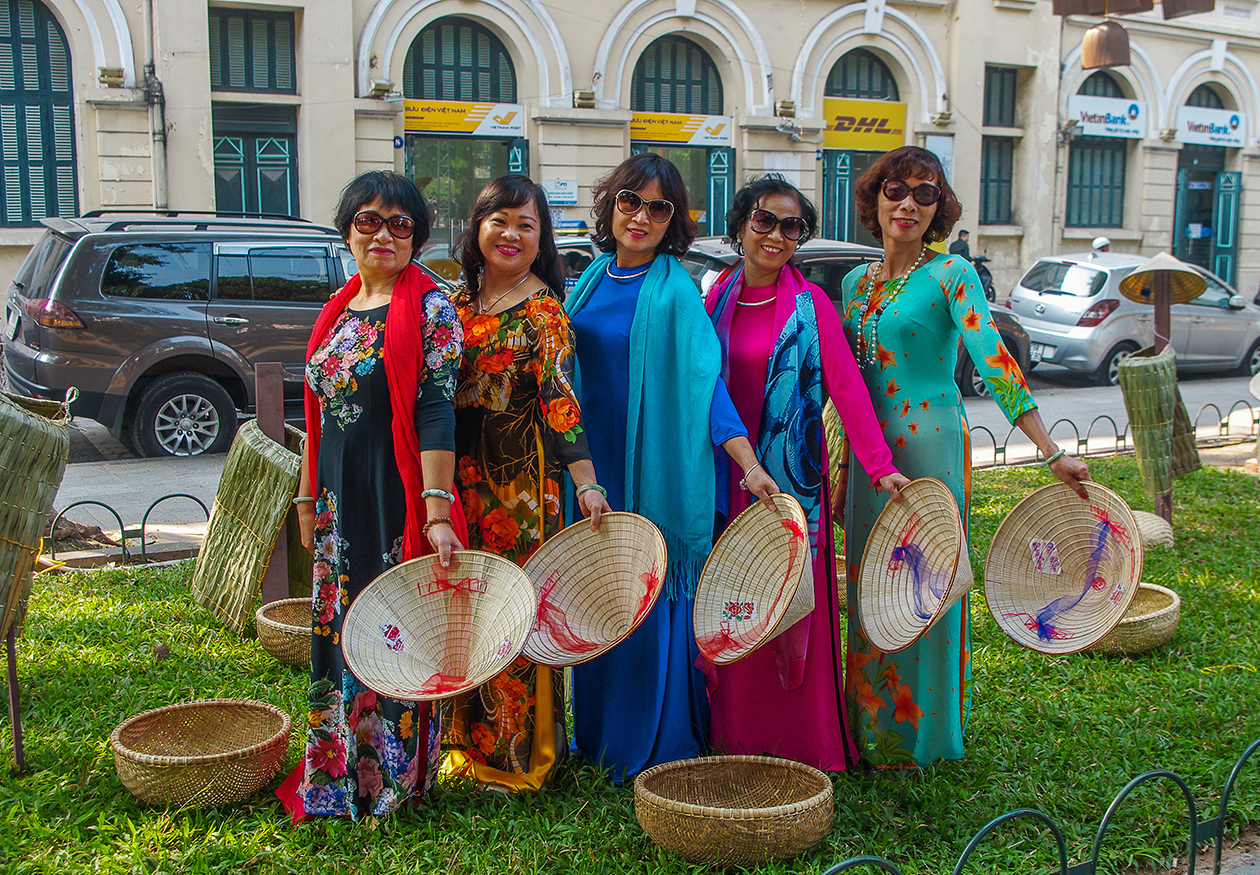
{"x":867,"y":125}
{"x":690,"y":130}
{"x":458,"y":117}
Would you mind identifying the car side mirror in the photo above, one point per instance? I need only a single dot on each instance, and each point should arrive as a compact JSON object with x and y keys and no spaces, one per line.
{"x":1236,"y":302}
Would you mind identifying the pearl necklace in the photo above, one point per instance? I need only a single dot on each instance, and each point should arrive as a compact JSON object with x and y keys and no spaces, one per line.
{"x":483,"y":308}
{"x":867,"y":346}
{"x":623,"y":277}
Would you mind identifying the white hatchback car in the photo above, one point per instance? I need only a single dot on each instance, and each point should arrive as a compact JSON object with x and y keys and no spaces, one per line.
{"x":1075,"y":316}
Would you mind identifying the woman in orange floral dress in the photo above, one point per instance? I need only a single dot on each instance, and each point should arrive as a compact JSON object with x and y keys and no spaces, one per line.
{"x":517,"y":428}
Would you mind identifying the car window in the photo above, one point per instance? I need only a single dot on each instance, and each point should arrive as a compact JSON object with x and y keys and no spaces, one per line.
{"x":233,"y":279}
{"x":576,"y":259}
{"x":1215,"y":295}
{"x":292,"y":275}
{"x":40,"y":266}
{"x":348,"y":265}
{"x":1065,"y":278}
{"x":702,"y":269}
{"x":167,"y":271}
{"x":828,"y":273}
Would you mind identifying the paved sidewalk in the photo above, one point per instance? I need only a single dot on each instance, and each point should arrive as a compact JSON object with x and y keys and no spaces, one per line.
{"x":131,"y":485}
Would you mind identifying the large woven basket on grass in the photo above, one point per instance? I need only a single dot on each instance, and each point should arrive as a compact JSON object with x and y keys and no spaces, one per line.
{"x":420,"y":632}
{"x":301,"y":562}
{"x":201,"y":754}
{"x":756,"y":582}
{"x":1150,"y":621}
{"x":254,"y":496}
{"x":34,"y":447}
{"x":1163,"y":436}
{"x":1062,"y":571}
{"x":593,"y":588}
{"x":915,"y":566}
{"x":284,"y":630}
{"x":734,"y":810}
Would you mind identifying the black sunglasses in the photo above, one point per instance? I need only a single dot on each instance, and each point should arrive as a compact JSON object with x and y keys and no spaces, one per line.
{"x":925,"y":193}
{"x":659,"y":210}
{"x":368,"y":222}
{"x":764,"y":221}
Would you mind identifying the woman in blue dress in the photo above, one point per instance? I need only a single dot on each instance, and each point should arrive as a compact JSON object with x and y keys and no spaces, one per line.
{"x":654,"y":408}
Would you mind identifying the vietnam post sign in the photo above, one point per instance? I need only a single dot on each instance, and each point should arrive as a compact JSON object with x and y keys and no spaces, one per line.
{"x":869,"y":125}
{"x":458,"y":117}
{"x":1108,"y":116}
{"x":1211,"y":127}
{"x":689,"y":130}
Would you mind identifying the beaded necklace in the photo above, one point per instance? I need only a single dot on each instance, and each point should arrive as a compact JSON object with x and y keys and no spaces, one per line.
{"x":867,"y":344}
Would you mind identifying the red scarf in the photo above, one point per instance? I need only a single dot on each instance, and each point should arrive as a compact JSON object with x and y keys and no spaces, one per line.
{"x":404,"y":362}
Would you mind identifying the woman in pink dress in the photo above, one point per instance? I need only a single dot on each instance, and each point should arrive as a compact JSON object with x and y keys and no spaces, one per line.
{"x":783,"y":355}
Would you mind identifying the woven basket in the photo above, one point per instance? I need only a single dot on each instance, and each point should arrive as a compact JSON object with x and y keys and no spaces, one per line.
{"x":593,"y":588}
{"x":756,"y":583}
{"x":1156,"y":531}
{"x":284,"y":630}
{"x":34,"y":447}
{"x":1062,"y":571}
{"x":915,"y":566}
{"x":1150,"y":622}
{"x":734,"y":810}
{"x":201,"y":754}
{"x":1163,"y":436}
{"x":253,"y":499}
{"x":420,"y":632}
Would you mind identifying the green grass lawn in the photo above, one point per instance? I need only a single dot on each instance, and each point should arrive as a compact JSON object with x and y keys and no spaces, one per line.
{"x":1062,"y":735}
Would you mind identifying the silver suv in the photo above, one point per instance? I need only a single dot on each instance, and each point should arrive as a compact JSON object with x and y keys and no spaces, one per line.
{"x":1075,"y":316}
{"x":160,"y":319}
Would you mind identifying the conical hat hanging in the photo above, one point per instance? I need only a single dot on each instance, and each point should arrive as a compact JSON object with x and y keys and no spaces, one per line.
{"x":1185,"y":283}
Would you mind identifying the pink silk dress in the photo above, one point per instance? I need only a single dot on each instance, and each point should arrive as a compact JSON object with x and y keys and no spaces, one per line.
{"x":787,"y":698}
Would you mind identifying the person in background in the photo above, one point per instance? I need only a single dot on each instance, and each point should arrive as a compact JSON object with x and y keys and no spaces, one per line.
{"x":374,"y":490}
{"x":783,"y":355}
{"x":1101,"y":244}
{"x":903,"y":316}
{"x":654,"y":407}
{"x":960,"y":246}
{"x":517,"y":428}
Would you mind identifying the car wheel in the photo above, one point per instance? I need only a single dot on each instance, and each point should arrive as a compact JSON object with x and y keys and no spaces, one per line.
{"x":1251,"y":361}
{"x":1108,"y":373}
{"x":183,"y":415}
{"x":970,"y":383}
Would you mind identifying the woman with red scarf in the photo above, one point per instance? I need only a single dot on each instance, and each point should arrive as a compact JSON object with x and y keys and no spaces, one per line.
{"x":375,"y":490}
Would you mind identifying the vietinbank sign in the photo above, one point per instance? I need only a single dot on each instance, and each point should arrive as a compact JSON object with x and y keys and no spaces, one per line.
{"x":1211,"y":127}
{"x":1108,"y":116}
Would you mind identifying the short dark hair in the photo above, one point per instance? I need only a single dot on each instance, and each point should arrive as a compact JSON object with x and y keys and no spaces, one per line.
{"x":964,"y":232}
{"x":900,"y":164}
{"x":512,"y":190}
{"x":747,"y":198}
{"x":635,"y":173}
{"x":391,"y":189}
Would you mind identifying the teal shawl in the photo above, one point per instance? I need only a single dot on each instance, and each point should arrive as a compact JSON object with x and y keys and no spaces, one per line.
{"x":674,"y":364}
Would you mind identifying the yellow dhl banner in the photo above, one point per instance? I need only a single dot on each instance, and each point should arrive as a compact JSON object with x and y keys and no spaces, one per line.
{"x":867,"y":125}
{"x":457,"y":117}
{"x":691,"y":130}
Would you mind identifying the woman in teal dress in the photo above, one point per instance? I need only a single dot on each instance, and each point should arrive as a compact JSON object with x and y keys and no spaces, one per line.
{"x":903,"y":316}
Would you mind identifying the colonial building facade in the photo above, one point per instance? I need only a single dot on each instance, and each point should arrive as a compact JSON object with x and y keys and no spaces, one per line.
{"x":273,"y":107}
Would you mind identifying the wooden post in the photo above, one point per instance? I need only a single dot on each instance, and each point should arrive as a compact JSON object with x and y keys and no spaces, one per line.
{"x":269,"y":409}
{"x":1163,"y":335}
{"x":15,"y":707}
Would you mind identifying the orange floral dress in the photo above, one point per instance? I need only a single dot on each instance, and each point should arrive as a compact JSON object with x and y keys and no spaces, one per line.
{"x":517,"y":425}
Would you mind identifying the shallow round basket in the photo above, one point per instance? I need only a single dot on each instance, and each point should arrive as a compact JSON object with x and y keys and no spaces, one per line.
{"x":1156,"y":531}
{"x":734,"y":810}
{"x":284,"y":630}
{"x":593,"y":588}
{"x":201,"y":754}
{"x":421,"y":632}
{"x":1062,"y":571}
{"x":756,"y":583}
{"x":915,"y":566}
{"x":1150,"y":621}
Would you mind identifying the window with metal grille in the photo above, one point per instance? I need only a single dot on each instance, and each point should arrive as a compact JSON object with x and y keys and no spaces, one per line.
{"x":999,"y":97}
{"x":1206,"y":96}
{"x":458,"y":59}
{"x":251,"y":51}
{"x":675,"y":75}
{"x":1096,"y":165}
{"x":861,"y":75}
{"x":997,"y":170}
{"x":37,"y":160}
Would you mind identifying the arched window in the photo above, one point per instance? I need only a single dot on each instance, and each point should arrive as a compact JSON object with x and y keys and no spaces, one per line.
{"x":860,"y":74}
{"x":675,"y":75}
{"x":1205,"y":96}
{"x":1096,"y":168}
{"x":36,"y":117}
{"x":1101,"y":84}
{"x":458,"y":59}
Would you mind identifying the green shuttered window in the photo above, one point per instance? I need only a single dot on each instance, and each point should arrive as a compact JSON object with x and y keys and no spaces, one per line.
{"x":458,"y":59}
{"x":37,"y":158}
{"x":1096,"y":165}
{"x":861,"y":75}
{"x":675,"y":75}
{"x":997,"y":154}
{"x":251,"y":51}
